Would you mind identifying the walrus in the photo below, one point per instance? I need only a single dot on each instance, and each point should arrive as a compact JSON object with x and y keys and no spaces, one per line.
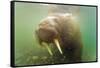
{"x":63,"y":31}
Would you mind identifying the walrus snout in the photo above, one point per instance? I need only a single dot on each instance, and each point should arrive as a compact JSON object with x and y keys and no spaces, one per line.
{"x":47,"y":34}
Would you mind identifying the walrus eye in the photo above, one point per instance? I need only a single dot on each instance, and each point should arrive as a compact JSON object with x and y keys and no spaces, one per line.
{"x":55,"y":20}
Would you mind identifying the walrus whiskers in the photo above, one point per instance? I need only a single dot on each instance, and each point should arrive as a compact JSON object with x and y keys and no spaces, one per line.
{"x":58,"y":45}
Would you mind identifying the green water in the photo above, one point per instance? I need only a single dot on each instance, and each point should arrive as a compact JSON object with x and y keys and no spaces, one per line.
{"x":27,"y":49}
{"x":88,"y":29}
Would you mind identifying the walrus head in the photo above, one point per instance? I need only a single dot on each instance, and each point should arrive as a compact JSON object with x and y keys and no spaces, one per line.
{"x":48,"y":33}
{"x":46,"y":30}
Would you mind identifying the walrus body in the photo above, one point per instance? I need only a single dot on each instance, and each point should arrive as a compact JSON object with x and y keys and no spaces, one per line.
{"x":64,"y":28}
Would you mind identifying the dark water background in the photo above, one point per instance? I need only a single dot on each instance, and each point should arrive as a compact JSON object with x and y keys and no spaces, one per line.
{"x":27,"y":49}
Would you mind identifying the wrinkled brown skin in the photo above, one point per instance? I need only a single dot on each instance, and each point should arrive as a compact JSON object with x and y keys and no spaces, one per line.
{"x":66,"y":30}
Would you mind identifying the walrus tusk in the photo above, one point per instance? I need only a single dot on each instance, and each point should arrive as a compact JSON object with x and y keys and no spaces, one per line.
{"x":47,"y":47}
{"x":58,"y":45}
